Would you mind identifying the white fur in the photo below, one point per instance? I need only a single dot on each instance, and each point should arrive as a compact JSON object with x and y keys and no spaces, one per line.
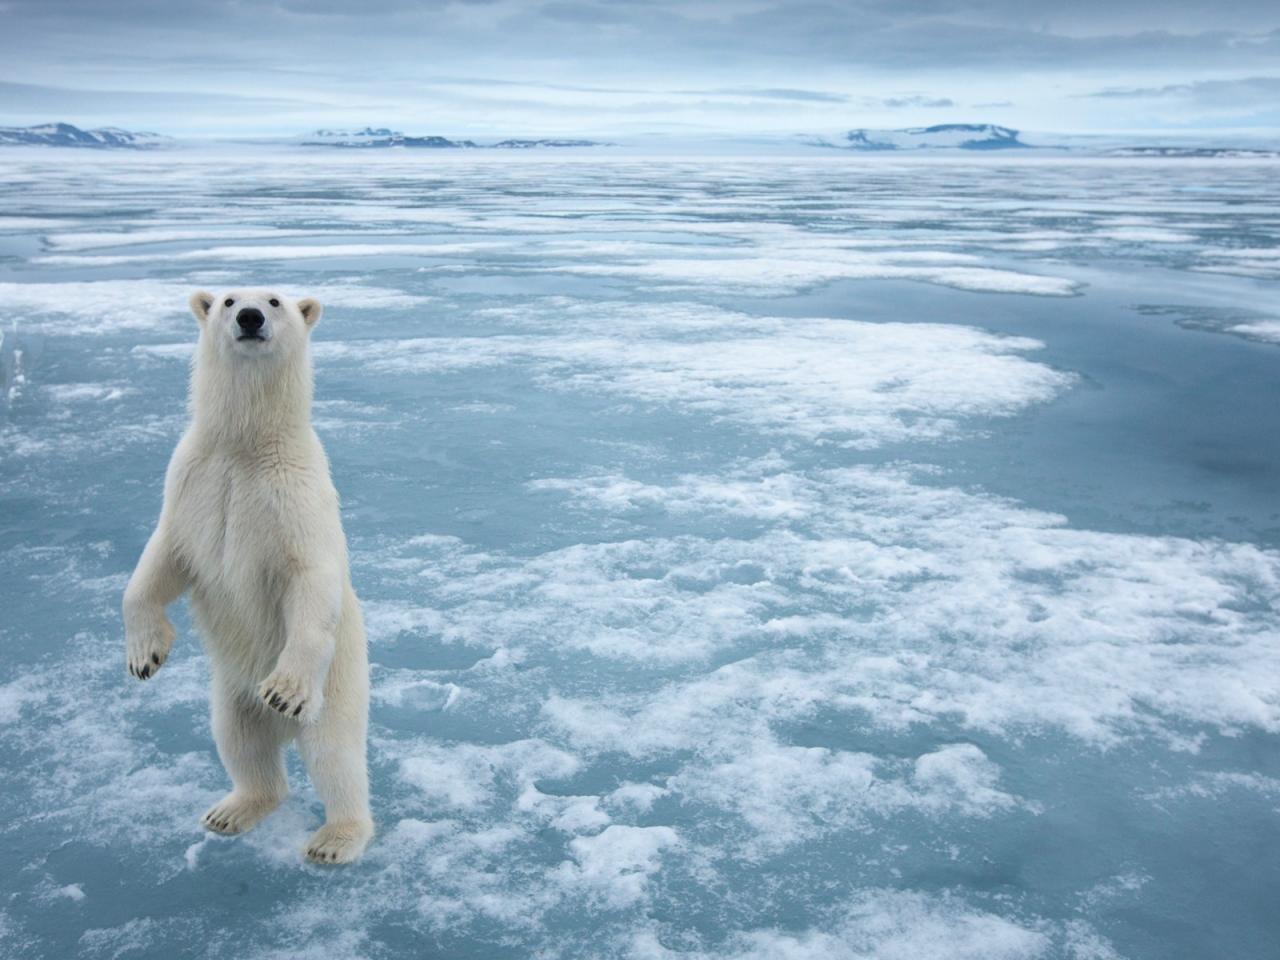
{"x":250,"y":527}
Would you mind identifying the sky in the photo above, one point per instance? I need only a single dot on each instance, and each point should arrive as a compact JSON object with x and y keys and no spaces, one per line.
{"x":636,"y":68}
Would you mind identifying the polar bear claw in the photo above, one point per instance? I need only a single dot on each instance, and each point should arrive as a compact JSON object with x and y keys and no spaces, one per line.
{"x":339,"y":842}
{"x":147,"y":648}
{"x":235,"y":814}
{"x":291,"y":696}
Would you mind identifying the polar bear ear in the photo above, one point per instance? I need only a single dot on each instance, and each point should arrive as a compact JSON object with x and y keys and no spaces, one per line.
{"x":201,"y":303}
{"x":310,"y":309}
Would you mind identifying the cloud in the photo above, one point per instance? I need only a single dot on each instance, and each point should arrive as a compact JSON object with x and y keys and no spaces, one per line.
{"x":917,"y":101}
{"x":591,"y":67}
{"x":34,"y":98}
{"x":524,"y":34}
{"x":1207,"y":93}
{"x":770,"y":93}
{"x":1246,"y":100}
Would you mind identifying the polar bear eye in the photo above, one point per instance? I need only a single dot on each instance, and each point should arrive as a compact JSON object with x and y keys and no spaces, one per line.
{"x":274,"y":302}
{"x":228,"y":302}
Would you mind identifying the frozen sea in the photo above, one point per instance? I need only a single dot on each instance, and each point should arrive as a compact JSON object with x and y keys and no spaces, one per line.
{"x":782,"y":557}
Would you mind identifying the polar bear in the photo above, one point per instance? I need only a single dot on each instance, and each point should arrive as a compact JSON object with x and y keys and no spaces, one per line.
{"x":250,"y":527}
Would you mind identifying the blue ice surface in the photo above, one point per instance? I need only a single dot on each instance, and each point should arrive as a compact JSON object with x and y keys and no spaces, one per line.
{"x":819,"y":557}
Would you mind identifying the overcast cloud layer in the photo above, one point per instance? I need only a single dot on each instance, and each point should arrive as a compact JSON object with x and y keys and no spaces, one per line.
{"x":613,"y":67}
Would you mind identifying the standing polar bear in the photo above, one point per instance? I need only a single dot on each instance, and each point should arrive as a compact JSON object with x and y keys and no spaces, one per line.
{"x":250,"y":526}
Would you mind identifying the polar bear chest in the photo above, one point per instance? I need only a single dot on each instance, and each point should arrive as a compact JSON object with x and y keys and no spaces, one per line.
{"x":238,"y":525}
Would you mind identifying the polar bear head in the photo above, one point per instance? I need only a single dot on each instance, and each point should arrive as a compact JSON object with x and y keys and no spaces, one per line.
{"x":255,"y":324}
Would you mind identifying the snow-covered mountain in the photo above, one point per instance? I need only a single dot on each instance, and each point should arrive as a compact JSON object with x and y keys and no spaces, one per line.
{"x":368,"y":137}
{"x":66,"y":135}
{"x":1236,"y":153}
{"x":377,"y":137}
{"x":535,"y":144}
{"x":384,"y":137}
{"x":946,"y":136}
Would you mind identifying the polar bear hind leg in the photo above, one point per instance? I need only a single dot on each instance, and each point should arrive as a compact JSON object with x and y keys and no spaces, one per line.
{"x":250,"y":740}
{"x":333,"y":749}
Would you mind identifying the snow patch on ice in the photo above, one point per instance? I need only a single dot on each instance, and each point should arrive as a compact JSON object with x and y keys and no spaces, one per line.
{"x":613,"y":867}
{"x":465,"y":777}
{"x":776,"y":274}
{"x":881,"y":924}
{"x":863,"y":383}
{"x":101,"y":307}
{"x":1268,"y":330}
{"x":786,"y":793}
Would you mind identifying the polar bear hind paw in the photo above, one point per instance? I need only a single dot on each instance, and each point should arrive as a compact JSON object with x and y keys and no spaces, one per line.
{"x":340,"y":842}
{"x":235,"y":814}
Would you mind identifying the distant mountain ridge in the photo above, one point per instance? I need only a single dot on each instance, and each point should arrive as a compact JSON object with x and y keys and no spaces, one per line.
{"x":1239,"y":153}
{"x":536,"y":144}
{"x":383,"y":137}
{"x":68,"y":135}
{"x":942,"y":136}
{"x":378,"y":137}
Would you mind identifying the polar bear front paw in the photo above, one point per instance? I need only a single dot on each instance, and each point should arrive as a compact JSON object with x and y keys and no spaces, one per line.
{"x":291,"y":696}
{"x":147,"y":648}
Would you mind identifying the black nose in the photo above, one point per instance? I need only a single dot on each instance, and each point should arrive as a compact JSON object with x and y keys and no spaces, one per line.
{"x":250,"y":319}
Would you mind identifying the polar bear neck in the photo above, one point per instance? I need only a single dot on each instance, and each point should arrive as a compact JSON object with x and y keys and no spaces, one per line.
{"x":250,"y":405}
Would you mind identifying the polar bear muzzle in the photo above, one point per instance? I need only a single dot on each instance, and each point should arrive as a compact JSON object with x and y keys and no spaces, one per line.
{"x":250,"y":321}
